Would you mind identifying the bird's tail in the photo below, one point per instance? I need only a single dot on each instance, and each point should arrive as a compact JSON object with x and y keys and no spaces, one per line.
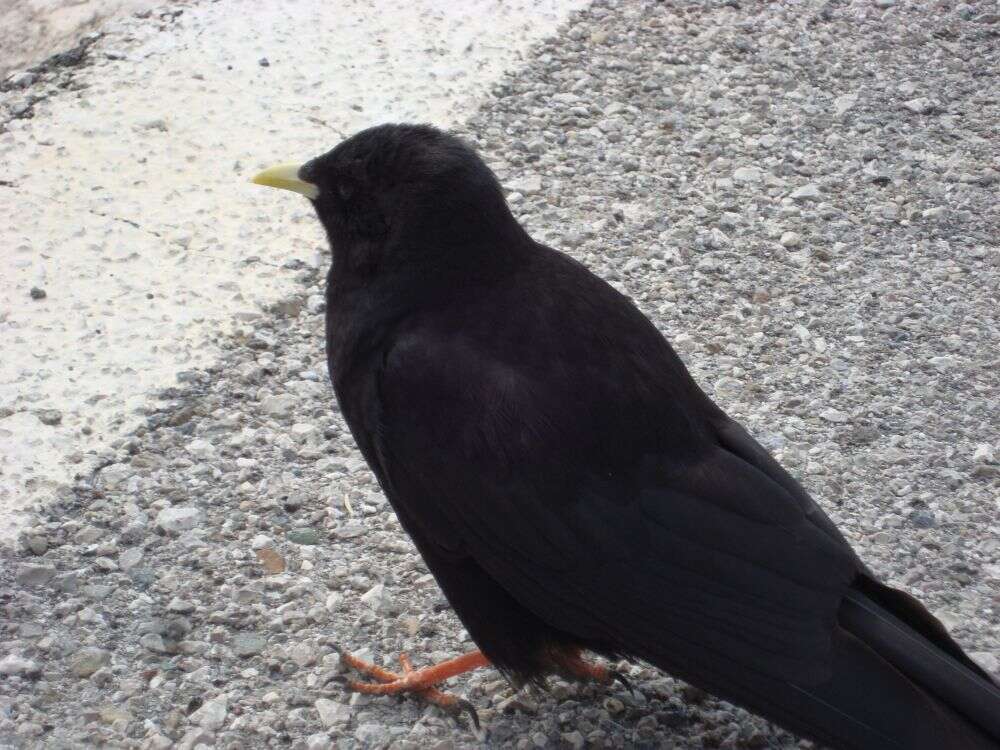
{"x":903,"y":633}
{"x":898,"y":682}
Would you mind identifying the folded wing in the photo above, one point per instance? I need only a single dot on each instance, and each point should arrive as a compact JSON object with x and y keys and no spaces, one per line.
{"x":596,"y":522}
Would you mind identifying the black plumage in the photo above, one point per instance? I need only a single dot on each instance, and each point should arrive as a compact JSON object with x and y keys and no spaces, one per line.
{"x":570,"y":486}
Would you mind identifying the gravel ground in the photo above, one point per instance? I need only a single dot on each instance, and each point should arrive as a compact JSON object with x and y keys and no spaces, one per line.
{"x":801,"y":195}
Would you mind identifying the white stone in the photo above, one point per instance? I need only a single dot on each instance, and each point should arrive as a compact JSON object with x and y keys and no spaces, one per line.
{"x":129,"y":558}
{"x":304,"y":654}
{"x":791,"y":239}
{"x":16,"y":665}
{"x":747,"y":174}
{"x":379,"y":599}
{"x":200,"y":448}
{"x":261,"y":541}
{"x":843,"y":103}
{"x":180,"y":606}
{"x":305,"y":432}
{"x":332,"y":713}
{"x":808,"y":192}
{"x":527,"y":185}
{"x":984,"y":453}
{"x":112,"y":476}
{"x":178,"y":518}
{"x":280,"y":405}
{"x":195,"y":739}
{"x":315,"y":303}
{"x":212,"y":715}
{"x":318,"y":741}
{"x":944,"y":362}
{"x":684,"y":342}
{"x":921,"y":105}
{"x":156,"y":742}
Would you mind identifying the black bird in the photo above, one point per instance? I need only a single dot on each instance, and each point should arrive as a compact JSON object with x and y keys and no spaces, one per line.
{"x":572,"y":488}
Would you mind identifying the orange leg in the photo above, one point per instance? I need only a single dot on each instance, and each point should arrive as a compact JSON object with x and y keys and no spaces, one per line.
{"x":419,"y":681}
{"x":571,"y":664}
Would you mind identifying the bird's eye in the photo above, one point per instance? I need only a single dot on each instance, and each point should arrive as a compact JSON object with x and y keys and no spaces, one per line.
{"x":350,"y":178}
{"x":346,"y":189}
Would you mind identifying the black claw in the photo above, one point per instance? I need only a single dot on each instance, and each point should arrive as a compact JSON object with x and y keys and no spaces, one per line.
{"x":464,"y":705}
{"x":339,"y":679}
{"x":619,"y":677}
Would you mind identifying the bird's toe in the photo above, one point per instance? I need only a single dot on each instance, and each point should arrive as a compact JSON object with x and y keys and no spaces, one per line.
{"x":620,"y":678}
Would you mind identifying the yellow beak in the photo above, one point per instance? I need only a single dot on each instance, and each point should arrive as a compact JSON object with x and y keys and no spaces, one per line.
{"x":286,"y":177}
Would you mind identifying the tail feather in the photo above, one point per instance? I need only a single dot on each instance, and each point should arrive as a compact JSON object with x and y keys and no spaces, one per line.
{"x":914,"y":614}
{"x":868,"y":704}
{"x":916,"y":644}
{"x":897,"y":682}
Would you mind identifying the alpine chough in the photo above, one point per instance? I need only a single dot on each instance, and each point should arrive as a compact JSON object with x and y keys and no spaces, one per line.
{"x":573,"y":490}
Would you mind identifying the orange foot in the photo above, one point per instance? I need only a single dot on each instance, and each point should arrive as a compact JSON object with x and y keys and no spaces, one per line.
{"x":571,"y":664}
{"x":419,"y":681}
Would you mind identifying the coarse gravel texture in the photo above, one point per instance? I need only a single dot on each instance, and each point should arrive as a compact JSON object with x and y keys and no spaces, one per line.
{"x":803,"y":198}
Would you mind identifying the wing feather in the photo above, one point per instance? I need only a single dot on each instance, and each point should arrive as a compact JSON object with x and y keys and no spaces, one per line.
{"x":712,"y":558}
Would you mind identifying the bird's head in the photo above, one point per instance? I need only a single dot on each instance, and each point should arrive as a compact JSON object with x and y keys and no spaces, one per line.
{"x":403,"y":195}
